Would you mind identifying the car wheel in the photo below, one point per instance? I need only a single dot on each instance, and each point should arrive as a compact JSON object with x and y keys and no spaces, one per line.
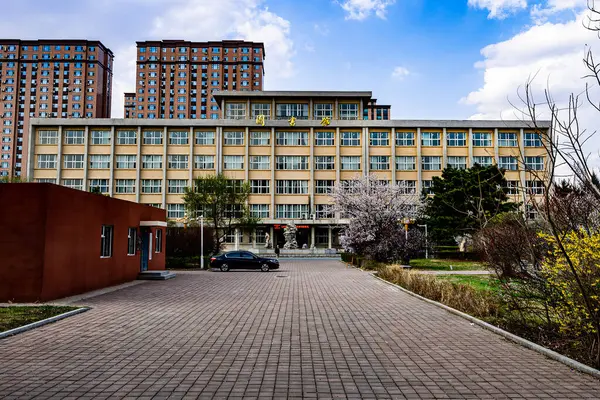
{"x":265,"y":268}
{"x":224,"y":267}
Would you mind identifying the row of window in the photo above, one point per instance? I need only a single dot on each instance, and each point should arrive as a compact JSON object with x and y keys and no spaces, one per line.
{"x":295,"y":138}
{"x":107,"y":241}
{"x":346,"y":111}
{"x":353,"y":163}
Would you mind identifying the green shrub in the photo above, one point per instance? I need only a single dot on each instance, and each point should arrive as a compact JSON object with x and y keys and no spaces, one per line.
{"x":186,"y":262}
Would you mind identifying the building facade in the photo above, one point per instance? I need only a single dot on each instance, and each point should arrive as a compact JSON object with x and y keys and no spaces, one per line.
{"x":176,"y":78}
{"x":49,"y":79}
{"x":130,"y":106}
{"x":292,"y":147}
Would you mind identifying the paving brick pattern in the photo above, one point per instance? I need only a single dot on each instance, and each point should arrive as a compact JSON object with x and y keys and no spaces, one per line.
{"x":314,"y":329}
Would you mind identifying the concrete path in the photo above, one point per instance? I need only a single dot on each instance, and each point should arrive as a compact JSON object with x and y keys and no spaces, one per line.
{"x":314,"y":329}
{"x":454,"y":272}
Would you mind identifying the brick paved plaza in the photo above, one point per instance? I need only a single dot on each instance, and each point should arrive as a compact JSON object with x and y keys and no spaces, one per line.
{"x":314,"y":329}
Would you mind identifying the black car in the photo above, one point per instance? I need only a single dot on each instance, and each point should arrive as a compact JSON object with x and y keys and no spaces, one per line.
{"x":243,"y":260}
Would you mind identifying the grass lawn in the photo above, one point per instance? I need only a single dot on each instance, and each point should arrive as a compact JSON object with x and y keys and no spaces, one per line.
{"x":15,"y":316}
{"x":444,"y":265}
{"x":479,"y":282}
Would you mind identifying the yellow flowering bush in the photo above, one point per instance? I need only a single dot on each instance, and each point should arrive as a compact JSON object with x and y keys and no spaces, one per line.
{"x":574,"y":275}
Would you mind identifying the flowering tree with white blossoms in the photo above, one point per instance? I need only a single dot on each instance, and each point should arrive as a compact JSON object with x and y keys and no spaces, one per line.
{"x":376,"y":210}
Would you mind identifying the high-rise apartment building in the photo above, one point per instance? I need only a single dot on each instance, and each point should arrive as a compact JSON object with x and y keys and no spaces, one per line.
{"x":49,"y":79}
{"x":130,"y":107}
{"x":303,"y":145}
{"x":176,"y":78}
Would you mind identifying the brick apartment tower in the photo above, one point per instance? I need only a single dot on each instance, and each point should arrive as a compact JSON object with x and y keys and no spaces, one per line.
{"x":49,"y":79}
{"x":175,"y":78}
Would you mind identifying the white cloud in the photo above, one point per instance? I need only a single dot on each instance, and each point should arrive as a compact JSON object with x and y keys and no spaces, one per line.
{"x":542,"y":11}
{"x":361,"y":9}
{"x":499,"y":8}
{"x":400,"y":73}
{"x":231,"y":19}
{"x":321,"y":29}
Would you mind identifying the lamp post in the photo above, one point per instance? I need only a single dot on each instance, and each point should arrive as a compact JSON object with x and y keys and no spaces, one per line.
{"x":426,"y":245}
{"x":202,"y":241}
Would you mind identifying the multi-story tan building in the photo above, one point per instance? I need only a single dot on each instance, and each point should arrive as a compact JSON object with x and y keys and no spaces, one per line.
{"x":292,"y":147}
{"x":49,"y":79}
{"x":130,"y":102}
{"x":176,"y":78}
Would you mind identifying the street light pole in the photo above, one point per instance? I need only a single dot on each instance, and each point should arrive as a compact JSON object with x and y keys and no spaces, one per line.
{"x":426,"y":245}
{"x":201,"y":241}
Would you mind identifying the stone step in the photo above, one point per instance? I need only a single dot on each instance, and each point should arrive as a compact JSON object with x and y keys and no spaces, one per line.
{"x":156,"y":275}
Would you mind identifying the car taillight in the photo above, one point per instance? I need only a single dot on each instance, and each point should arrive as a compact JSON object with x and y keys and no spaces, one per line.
{"x":212,"y":259}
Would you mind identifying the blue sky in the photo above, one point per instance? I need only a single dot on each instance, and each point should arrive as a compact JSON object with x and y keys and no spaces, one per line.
{"x":454,"y":59}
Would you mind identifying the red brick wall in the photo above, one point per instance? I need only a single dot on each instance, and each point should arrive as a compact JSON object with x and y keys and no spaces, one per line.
{"x":55,"y":248}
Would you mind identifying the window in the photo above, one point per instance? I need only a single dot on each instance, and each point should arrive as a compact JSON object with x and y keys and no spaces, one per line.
{"x":457,"y":162}
{"x":531,"y":213}
{"x":175,"y":211}
{"x":456,"y":139}
{"x":427,"y":187}
{"x":235,"y":111}
{"x":176,"y":186}
{"x":507,"y":139}
{"x":295,"y":211}
{"x":131,"y":241}
{"x":324,"y":162}
{"x":47,"y":137}
{"x":74,"y":137}
{"x":44,"y":180}
{"x":259,"y":211}
{"x":512,"y":187}
{"x":533,"y":140}
{"x":351,"y":163}
{"x":233,"y":138}
{"x":178,"y":162}
{"x":324,"y":211}
{"x":99,"y":161}
{"x":260,"y":138}
{"x":260,"y":162}
{"x":100,"y":184}
{"x":100,"y":137}
{"x":432,"y":163}
{"x":125,"y":186}
{"x":285,"y":111}
{"x":180,"y":137}
{"x":324,"y":186}
{"x":233,"y":162}
{"x":405,"y":163}
{"x":126,"y":161}
{"x":291,"y":162}
{"x":482,"y":139}
{"x":407,"y":187}
{"x":152,"y":162}
{"x":379,"y":139}
{"x":151,"y":185}
{"x":534,"y":163}
{"x":379,"y":163}
{"x":73,"y":161}
{"x":291,"y":187}
{"x":73,"y":183}
{"x":324,"y":138}
{"x":46,"y":161}
{"x":508,"y":163}
{"x":158,"y":241}
{"x":205,"y":138}
{"x":484,"y":161}
{"x":323,"y":110}
{"x":430,"y":138}
{"x":405,"y":138}
{"x":348,"y":111}
{"x":106,"y":241}
{"x":204,"y":162}
{"x":350,"y":139}
{"x":292,"y":138}
{"x":259,"y":186}
{"x":152,"y":137}
{"x":261,"y":109}
{"x":534,"y":187}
